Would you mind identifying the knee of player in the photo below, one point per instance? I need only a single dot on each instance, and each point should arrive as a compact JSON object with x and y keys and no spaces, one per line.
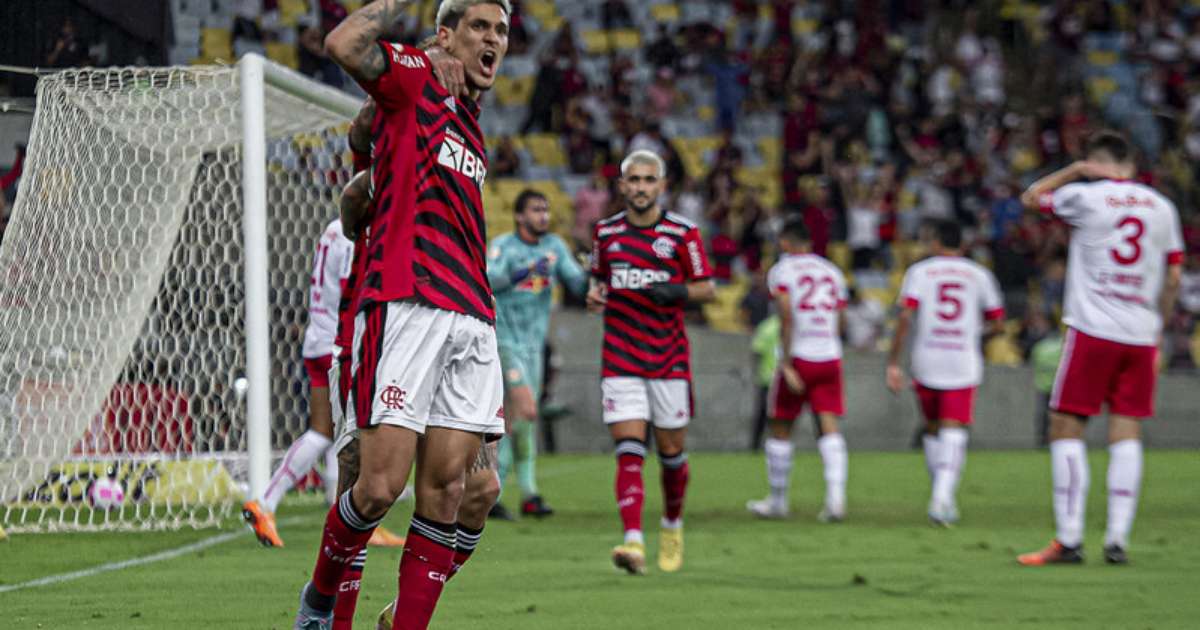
{"x":444,"y":493}
{"x":484,"y":489}
{"x":373,"y":497}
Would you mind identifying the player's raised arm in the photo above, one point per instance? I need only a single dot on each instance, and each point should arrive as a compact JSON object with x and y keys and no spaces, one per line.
{"x":355,"y":205}
{"x":569,"y":273}
{"x":360,"y":128}
{"x":353,"y":43}
{"x":1032,"y":197}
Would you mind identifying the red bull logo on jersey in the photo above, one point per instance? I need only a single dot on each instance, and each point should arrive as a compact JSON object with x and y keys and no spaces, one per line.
{"x":455,"y":156}
{"x":634,"y":278}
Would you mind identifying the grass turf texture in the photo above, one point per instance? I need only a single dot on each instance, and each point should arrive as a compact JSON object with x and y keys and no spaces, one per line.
{"x":883,"y":568}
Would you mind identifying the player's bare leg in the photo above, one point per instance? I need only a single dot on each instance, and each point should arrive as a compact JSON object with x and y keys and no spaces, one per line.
{"x":1070,"y":473}
{"x":835,"y":461}
{"x":779,"y":452}
{"x":672,"y":455}
{"x":950,"y":460}
{"x":630,"y":439}
{"x":1124,"y":484}
{"x":300,"y":458}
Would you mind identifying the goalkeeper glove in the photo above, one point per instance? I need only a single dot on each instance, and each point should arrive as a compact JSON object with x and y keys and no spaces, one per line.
{"x":667,"y":293}
{"x":540,"y":267}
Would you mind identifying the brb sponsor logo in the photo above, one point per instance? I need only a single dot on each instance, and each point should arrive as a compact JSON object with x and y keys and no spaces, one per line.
{"x":455,"y":156}
{"x":392,"y":397}
{"x":634,"y":278}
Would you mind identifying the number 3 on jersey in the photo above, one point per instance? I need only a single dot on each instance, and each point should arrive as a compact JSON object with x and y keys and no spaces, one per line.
{"x":809,"y":287}
{"x":1131,"y":229}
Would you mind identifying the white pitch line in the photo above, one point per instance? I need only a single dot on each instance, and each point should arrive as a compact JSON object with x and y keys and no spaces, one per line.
{"x":135,"y":562}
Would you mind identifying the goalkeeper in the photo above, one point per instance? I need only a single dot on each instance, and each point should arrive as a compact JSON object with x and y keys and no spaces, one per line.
{"x":523,"y":267}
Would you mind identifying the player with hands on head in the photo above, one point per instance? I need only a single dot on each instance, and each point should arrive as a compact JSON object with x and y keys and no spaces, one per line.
{"x":1124,"y":269}
{"x":810,"y":296}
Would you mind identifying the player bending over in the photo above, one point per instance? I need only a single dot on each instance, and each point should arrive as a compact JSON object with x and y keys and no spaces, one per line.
{"x":646,"y":265}
{"x":523,"y":266}
{"x":949,"y":296}
{"x":810,"y":297}
{"x":1123,"y":273}
{"x":426,"y":384}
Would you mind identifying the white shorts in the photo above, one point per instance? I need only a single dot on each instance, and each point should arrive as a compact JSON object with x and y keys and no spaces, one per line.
{"x":665,"y":402}
{"x":416,"y":366}
{"x":343,"y":430}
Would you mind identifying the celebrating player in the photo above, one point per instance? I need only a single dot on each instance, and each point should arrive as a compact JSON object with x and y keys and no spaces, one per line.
{"x":1123,"y":274}
{"x":950,"y":296}
{"x":810,"y":295}
{"x":426,"y":371}
{"x":522,"y":267}
{"x":647,"y":264}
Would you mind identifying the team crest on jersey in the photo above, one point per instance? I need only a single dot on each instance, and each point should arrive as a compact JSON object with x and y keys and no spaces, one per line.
{"x":455,"y":156}
{"x":392,"y":397}
{"x":664,"y":247}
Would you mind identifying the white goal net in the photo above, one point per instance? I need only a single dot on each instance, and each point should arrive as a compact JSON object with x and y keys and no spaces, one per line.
{"x":122,"y":292}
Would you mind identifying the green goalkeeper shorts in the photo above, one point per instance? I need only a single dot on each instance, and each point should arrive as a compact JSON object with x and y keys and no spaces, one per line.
{"x":522,"y":368}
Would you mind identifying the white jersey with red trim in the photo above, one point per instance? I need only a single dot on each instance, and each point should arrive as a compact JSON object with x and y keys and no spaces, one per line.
{"x":816,"y":291}
{"x":951,"y":296}
{"x":331,"y":268}
{"x":1123,"y":236}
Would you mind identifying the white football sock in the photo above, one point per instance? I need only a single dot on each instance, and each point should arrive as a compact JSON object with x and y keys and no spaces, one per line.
{"x":634,"y":536}
{"x":1069,"y":469}
{"x":304,"y":452}
{"x":951,"y":458}
{"x":330,"y":477}
{"x":1124,"y":484}
{"x":833,"y":455}
{"x":931,"y":444}
{"x":779,"y":468}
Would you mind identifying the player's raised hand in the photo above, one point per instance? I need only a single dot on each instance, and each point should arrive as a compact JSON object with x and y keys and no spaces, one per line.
{"x":895,"y":378}
{"x":792,"y":378}
{"x":596,"y":298}
{"x":448,"y":70}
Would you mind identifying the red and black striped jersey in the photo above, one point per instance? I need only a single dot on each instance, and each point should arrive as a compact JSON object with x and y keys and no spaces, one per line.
{"x":427,"y":236}
{"x":641,"y":338}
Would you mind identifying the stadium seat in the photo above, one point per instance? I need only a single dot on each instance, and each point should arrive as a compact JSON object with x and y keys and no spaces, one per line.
{"x":839,"y":254}
{"x":595,"y":42}
{"x":664,"y":12}
{"x":624,"y":40}
{"x":290,"y":11}
{"x":540,"y":9}
{"x":546,"y":149}
{"x":216,"y":43}
{"x":512,"y":91}
{"x":723,"y":313}
{"x":284,"y":53}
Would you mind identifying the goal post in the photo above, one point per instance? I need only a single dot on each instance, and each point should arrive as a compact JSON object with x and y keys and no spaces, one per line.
{"x":159,"y":253}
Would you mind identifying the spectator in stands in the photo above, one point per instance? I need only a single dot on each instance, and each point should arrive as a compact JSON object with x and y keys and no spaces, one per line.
{"x":505,"y":162}
{"x":614,"y":14}
{"x":819,"y":216}
{"x":864,"y":321}
{"x":591,"y":204}
{"x":651,"y":138}
{"x":662,"y":97}
{"x":864,"y":213}
{"x":312,"y":58}
{"x":69,"y":50}
{"x":689,"y":203}
{"x":662,"y":52}
{"x":730,"y":77}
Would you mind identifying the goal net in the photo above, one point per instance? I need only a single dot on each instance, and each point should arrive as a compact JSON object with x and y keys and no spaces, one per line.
{"x":123,"y":301}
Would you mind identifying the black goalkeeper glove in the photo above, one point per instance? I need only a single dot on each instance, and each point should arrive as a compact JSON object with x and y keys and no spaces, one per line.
{"x":666,"y":293}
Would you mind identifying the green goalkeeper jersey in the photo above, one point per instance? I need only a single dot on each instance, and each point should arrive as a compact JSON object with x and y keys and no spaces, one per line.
{"x":523,"y":297}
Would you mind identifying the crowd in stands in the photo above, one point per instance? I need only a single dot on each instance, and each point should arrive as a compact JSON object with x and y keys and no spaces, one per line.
{"x":864,"y":118}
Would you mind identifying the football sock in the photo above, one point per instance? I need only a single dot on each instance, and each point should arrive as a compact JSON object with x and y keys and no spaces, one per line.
{"x":505,"y":465}
{"x":1069,"y":469}
{"x":346,"y":533}
{"x":330,"y":478}
{"x":526,"y":457}
{"x":1124,"y":484}
{"x":674,"y":483}
{"x":931,"y":444}
{"x":424,"y":568}
{"x":779,"y":468}
{"x":631,"y":455}
{"x":833,"y":454}
{"x":952,"y":456}
{"x":347,"y":595}
{"x":466,"y":540}
{"x":300,"y":457}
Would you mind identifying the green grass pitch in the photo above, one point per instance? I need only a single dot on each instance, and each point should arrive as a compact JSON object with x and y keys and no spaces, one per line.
{"x":883,"y":568}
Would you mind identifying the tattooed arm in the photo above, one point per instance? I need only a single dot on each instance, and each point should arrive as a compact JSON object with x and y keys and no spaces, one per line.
{"x":352,"y":44}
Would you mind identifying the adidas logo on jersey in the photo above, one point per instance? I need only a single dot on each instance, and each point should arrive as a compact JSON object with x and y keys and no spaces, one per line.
{"x":614,"y":248}
{"x":456,"y":157}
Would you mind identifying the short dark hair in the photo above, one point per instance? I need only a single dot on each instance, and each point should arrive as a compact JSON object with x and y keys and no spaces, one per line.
{"x":524,"y":198}
{"x":948,"y":233}
{"x":1110,"y":142}
{"x":796,"y":230}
